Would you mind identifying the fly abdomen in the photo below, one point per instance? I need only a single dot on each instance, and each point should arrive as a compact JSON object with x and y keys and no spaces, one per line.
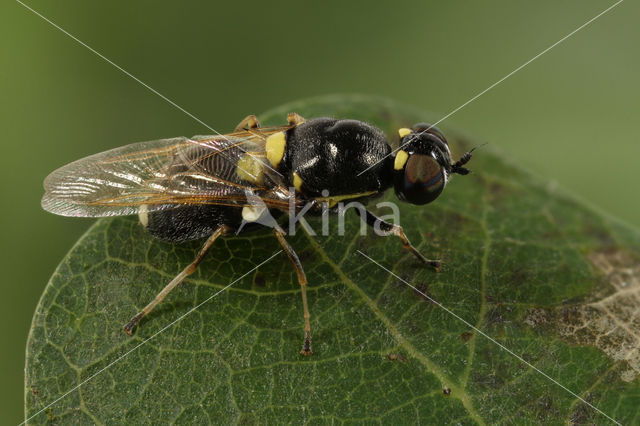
{"x":190,"y":222}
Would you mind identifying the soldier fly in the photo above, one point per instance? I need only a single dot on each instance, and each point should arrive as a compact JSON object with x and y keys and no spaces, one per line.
{"x":206,"y":186}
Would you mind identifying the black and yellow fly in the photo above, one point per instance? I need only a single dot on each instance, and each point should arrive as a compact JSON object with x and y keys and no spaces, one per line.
{"x":186,"y":189}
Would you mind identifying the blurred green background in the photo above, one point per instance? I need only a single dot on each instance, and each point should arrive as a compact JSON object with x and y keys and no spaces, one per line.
{"x":571,"y":115}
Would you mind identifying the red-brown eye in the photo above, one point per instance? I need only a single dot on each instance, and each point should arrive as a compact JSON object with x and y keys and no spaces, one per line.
{"x":421,"y":180}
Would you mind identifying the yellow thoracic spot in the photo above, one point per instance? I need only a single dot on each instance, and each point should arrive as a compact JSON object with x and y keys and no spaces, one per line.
{"x":297,"y":181}
{"x":275,"y":148}
{"x":404,"y":132}
{"x":249,"y":168}
{"x":401,"y":159}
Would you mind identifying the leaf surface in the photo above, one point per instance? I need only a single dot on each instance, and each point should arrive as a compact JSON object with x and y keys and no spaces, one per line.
{"x":539,"y":272}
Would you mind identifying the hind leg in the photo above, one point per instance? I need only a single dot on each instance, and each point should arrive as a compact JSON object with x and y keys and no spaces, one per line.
{"x":249,"y":122}
{"x":128,"y":328}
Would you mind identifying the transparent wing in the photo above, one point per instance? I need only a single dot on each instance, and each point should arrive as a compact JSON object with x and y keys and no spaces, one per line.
{"x":166,"y":173}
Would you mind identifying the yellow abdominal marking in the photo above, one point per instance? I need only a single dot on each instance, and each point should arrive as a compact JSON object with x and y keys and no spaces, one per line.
{"x":401,"y":159}
{"x":275,"y":148}
{"x":404,"y":132}
{"x":332,"y":201}
{"x":249,"y":168}
{"x":297,"y":181}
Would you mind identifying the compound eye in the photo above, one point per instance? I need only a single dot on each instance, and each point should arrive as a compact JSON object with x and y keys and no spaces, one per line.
{"x":427,"y":128}
{"x":421,"y":179}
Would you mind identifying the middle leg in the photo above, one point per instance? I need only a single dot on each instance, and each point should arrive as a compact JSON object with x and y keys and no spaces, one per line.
{"x":295,"y":119}
{"x":249,"y":122}
{"x":302,"y":280}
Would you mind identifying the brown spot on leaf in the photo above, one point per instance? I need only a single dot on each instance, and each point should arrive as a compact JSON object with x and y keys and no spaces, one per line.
{"x":582,"y":415}
{"x":520,"y":275}
{"x":422,"y":291}
{"x":537,"y":317}
{"x":413,"y":327}
{"x":260,"y":280}
{"x":397,"y":357}
{"x":609,"y":321}
{"x":495,"y":316}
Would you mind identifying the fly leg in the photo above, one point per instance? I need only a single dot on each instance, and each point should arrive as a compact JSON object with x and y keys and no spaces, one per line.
{"x":128,"y":328}
{"x":249,"y":122}
{"x":391,"y":229}
{"x":302,"y":280}
{"x":294,"y":119}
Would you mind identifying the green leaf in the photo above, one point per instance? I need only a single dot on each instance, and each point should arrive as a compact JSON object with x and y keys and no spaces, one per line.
{"x":539,"y":272}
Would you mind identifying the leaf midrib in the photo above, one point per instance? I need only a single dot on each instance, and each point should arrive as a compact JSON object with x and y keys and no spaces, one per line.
{"x":456,"y":391}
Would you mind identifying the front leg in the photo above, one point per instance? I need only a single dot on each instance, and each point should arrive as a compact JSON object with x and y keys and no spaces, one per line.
{"x":391,"y":229}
